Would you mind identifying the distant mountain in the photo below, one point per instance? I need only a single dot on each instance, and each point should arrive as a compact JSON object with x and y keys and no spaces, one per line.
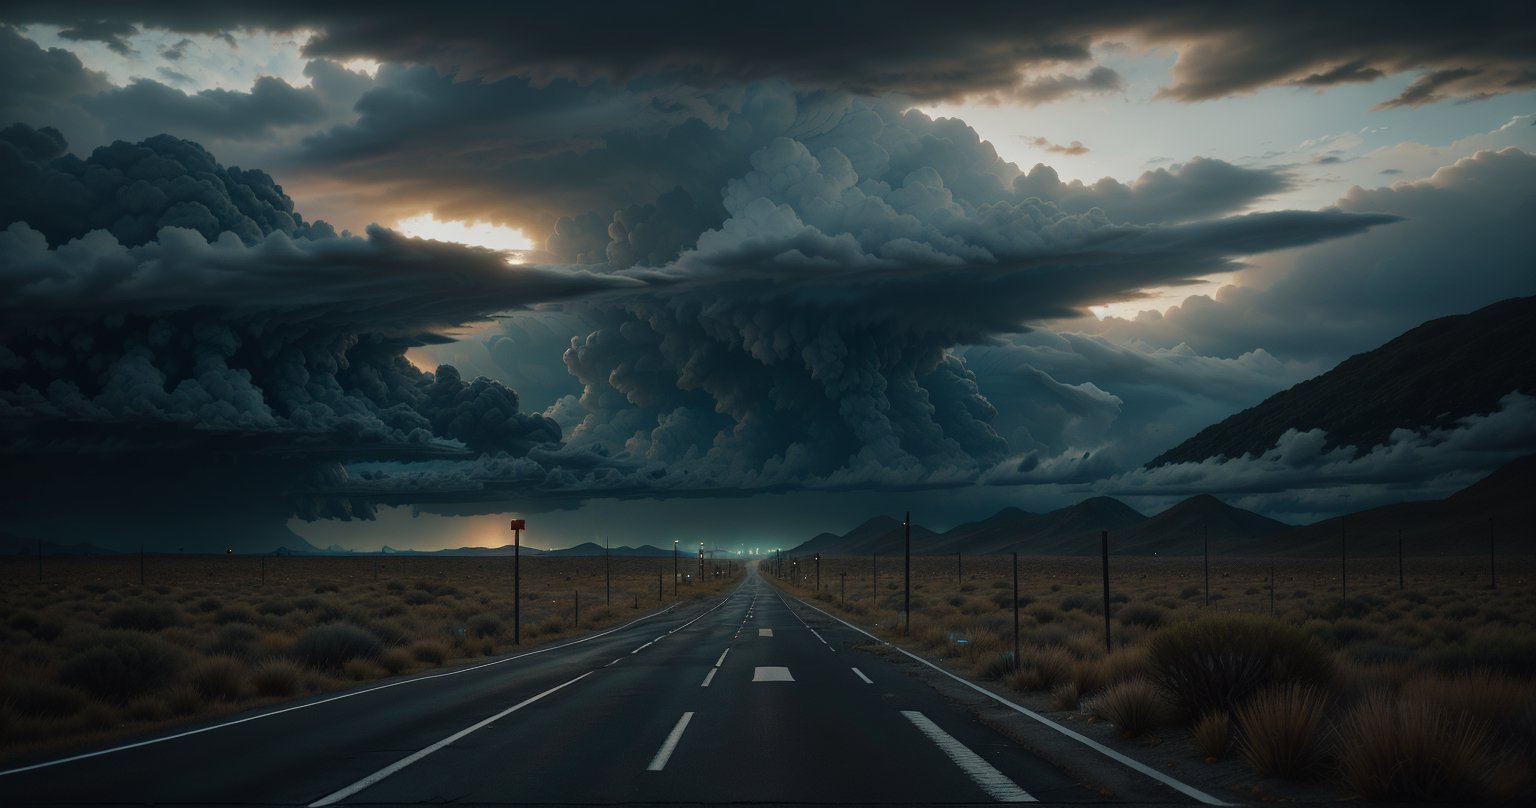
{"x":882,"y":534}
{"x":1456,"y":525}
{"x":1181,"y":530}
{"x":1431,"y":376}
{"x":18,"y":545}
{"x":589,"y":549}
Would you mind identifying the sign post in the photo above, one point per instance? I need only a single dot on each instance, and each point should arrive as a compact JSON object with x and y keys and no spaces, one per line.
{"x":518,"y":525}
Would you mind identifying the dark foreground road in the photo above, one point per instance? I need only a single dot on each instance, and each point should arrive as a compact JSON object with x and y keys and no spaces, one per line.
{"x":734,"y":701}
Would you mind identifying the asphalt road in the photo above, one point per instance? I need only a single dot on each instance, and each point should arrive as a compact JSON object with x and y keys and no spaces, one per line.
{"x":736,"y":700}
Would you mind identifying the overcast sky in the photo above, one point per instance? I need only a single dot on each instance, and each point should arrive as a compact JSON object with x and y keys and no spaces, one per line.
{"x":700,"y":277}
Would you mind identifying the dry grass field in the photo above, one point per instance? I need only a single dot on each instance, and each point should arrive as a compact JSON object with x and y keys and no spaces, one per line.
{"x":87,"y":652}
{"x":1424,"y":689}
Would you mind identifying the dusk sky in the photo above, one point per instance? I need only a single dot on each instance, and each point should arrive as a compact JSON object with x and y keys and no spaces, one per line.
{"x":684,"y":272}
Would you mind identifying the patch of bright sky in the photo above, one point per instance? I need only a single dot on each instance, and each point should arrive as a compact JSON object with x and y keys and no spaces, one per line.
{"x":478,"y":234}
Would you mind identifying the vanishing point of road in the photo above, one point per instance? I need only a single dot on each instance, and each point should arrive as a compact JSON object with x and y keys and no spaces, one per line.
{"x":756,"y":697}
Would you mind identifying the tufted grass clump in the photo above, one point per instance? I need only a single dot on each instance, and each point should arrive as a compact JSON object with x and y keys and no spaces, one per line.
{"x":1218,"y":661}
{"x":1135,"y":706}
{"x":1283,"y":731}
{"x":330,"y":646}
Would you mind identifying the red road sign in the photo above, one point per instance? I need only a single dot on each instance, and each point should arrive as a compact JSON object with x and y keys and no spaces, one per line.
{"x":519,"y":524}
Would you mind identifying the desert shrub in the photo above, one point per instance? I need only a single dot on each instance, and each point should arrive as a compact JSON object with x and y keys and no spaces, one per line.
{"x":484,"y":625}
{"x":219,"y":678}
{"x":40,"y":698}
{"x":395,"y":660}
{"x":1212,"y":735}
{"x":207,"y":605}
{"x":1065,"y":696}
{"x":1412,"y":750}
{"x":1143,"y":614}
{"x":236,"y":613}
{"x":276,"y":608}
{"x":118,"y":666}
{"x":1190,"y":592}
{"x":1217,"y":661}
{"x":1042,"y":669}
{"x":395,"y":586}
{"x":360,"y":670}
{"x":324,"y":587}
{"x":1282,"y":731}
{"x":183,"y":699}
{"x":418,"y":598}
{"x":1086,"y":603}
{"x":235,"y":639}
{"x":144,"y":616}
{"x":431,"y":652}
{"x":1135,"y":707}
{"x":995,"y":665}
{"x":277,"y":678}
{"x":330,"y":646}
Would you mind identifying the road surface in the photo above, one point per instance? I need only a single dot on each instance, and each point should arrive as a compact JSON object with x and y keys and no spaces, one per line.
{"x":735,"y":700}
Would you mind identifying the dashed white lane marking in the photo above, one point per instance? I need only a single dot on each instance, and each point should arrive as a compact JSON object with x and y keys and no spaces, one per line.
{"x":765,"y":632}
{"x":709,"y":677}
{"x":818,"y":636}
{"x":412,"y":758}
{"x":995,"y":783}
{"x":643,"y":647}
{"x":860,"y":674}
{"x":665,"y":752}
{"x":771,"y":674}
{"x":721,"y":660}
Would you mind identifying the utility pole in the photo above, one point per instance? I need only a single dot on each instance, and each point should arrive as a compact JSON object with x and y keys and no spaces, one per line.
{"x":607,"y":575}
{"x":843,"y":587}
{"x":1104,"y":543}
{"x":1016,"y":660}
{"x":818,"y":573}
{"x":517,"y":580}
{"x":906,"y":609}
{"x":1207,"y":566}
{"x":674,"y":568}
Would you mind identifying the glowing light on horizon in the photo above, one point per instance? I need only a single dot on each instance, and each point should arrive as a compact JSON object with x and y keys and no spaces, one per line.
{"x":509,"y":240}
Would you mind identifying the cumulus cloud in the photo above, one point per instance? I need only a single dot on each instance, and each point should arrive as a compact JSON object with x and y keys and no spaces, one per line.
{"x":1070,"y":149}
{"x":1468,"y":245}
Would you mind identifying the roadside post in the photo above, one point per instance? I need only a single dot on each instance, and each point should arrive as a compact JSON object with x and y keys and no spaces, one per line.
{"x":518,"y":526}
{"x":1016,"y":660}
{"x":906,"y":606}
{"x":1104,"y":544}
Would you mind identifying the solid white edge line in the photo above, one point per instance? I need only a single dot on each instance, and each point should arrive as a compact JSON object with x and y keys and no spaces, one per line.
{"x":721,"y":660}
{"x":709,"y":677}
{"x":665,"y":752}
{"x":423,"y":678}
{"x":1136,"y":765}
{"x":379,"y":775}
{"x":860,"y":674}
{"x":338,"y":697}
{"x":983,"y":774}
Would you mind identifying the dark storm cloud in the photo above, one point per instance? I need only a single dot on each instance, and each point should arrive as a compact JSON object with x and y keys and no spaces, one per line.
{"x":921,"y":50}
{"x":112,"y":34}
{"x":149,"y":106}
{"x":177,"y":51}
{"x":1196,"y":189}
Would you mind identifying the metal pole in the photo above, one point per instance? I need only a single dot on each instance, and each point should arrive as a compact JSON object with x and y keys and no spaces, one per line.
{"x":1207,"y":566}
{"x":517,"y":587}
{"x":1271,"y":586}
{"x":1399,"y":560}
{"x":818,"y":573}
{"x":843,"y":587}
{"x":1016,"y":660}
{"x":906,"y":609}
{"x":674,"y":568}
{"x":607,"y":575}
{"x":578,"y":608}
{"x":658,"y":583}
{"x":1343,"y":566}
{"x":1104,"y":545}
{"x":1493,"y":571}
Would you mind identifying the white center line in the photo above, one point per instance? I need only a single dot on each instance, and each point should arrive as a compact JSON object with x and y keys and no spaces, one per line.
{"x":643,"y":647}
{"x":995,"y":783}
{"x":771,"y":674}
{"x":765,"y":632}
{"x":818,"y":636}
{"x":708,"y":677}
{"x":412,"y":758}
{"x":860,"y":674}
{"x":721,"y":660}
{"x":665,"y":752}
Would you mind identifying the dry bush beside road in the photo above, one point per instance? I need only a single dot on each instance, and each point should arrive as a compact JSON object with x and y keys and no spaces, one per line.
{"x":87,"y":652}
